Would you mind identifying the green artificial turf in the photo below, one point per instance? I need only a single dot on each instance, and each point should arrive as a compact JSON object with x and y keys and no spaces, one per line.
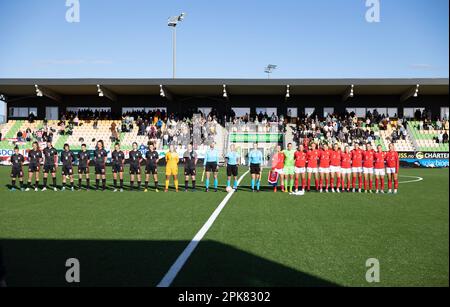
{"x":259,"y":239}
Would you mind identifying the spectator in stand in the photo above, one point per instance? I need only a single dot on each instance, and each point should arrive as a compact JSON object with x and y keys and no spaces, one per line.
{"x":421,"y":125}
{"x":62,"y":128}
{"x":440,"y":138}
{"x":418,"y":115}
{"x":402,"y":133}
{"x":31,"y":117}
{"x":19,"y":136}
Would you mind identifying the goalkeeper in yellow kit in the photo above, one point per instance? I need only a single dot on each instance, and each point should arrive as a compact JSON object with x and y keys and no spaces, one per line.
{"x":172,"y":160}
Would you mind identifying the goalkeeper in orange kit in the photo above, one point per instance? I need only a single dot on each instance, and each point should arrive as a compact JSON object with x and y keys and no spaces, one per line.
{"x":172,"y":160}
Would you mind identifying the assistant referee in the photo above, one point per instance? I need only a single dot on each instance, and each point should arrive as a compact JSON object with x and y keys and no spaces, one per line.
{"x":255,"y":158}
{"x":211,"y":165}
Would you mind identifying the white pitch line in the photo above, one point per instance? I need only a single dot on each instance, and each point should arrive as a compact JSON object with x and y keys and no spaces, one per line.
{"x":181,"y":260}
{"x":411,"y":181}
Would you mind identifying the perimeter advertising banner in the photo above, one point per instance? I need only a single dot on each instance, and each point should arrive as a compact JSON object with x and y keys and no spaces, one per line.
{"x":256,"y":138}
{"x":5,"y":154}
{"x":424,"y":159}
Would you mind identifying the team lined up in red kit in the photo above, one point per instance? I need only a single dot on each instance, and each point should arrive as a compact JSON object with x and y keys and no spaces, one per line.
{"x":346,"y":168}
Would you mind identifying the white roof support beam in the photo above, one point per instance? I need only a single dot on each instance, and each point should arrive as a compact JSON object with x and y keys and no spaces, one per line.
{"x":165,"y":93}
{"x":225,"y":93}
{"x":349,"y":93}
{"x":104,"y":92}
{"x":411,"y":92}
{"x":43,"y":91}
{"x":288,"y":92}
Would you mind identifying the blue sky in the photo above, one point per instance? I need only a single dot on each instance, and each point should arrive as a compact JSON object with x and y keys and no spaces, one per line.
{"x":224,"y":39}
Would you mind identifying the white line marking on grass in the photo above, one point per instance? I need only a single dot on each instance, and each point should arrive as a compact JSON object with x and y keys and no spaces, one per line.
{"x":181,"y":260}
{"x":411,"y":181}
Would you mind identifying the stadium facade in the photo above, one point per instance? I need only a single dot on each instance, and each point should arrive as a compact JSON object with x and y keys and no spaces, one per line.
{"x":50,"y":98}
{"x":175,"y":95}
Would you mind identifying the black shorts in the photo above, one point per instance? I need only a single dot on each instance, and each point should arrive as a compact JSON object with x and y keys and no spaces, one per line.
{"x":33,"y":168}
{"x":211,"y":167}
{"x":67,"y":170}
{"x":232,"y":170}
{"x":117,"y":168}
{"x":190,"y":171}
{"x":16,"y":172}
{"x":49,"y":169}
{"x":100,"y":169}
{"x":83,"y":170}
{"x":135,"y":169}
{"x":151,"y":169}
{"x":255,"y":169}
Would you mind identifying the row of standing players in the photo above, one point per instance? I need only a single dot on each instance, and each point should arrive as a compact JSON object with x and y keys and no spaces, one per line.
{"x":335,"y":169}
{"x":292,"y":165}
{"x":48,"y":158}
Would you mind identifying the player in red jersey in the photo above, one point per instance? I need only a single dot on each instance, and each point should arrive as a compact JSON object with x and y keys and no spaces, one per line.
{"x":357,"y":157}
{"x":306,"y":143}
{"x":277,"y":166}
{"x":324,"y":168}
{"x":368,"y":158}
{"x":380,"y":160}
{"x":346,"y":167}
{"x":393,"y":165}
{"x":300,"y":157}
{"x":335,"y":167}
{"x":312,"y":157}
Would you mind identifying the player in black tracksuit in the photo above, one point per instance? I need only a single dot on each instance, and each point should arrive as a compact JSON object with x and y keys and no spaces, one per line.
{"x":17,"y":171}
{"x":83,"y":166}
{"x":190,"y":162}
{"x":67,"y":159}
{"x":135,"y":158}
{"x":50,"y":164}
{"x":34,"y":159}
{"x":151,"y":166}
{"x":100,"y":156}
{"x":117,"y":160}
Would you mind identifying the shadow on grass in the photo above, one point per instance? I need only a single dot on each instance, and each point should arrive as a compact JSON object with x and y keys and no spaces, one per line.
{"x":142,"y":264}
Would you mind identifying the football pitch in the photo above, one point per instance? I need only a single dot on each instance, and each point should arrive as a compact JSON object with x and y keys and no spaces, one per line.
{"x":258,"y":239}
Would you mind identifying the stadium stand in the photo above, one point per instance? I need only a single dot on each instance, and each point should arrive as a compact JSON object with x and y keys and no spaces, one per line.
{"x":89,"y":132}
{"x":202,"y":130}
{"x":428,"y":138}
{"x":343,"y":129}
{"x":171,"y":131}
{"x":395,"y":132}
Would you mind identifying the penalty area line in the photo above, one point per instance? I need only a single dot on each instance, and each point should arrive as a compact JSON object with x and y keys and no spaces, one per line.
{"x":184,"y":256}
{"x":411,"y":181}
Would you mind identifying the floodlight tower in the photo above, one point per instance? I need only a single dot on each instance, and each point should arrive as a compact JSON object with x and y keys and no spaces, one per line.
{"x":173,"y":22}
{"x":269,"y":69}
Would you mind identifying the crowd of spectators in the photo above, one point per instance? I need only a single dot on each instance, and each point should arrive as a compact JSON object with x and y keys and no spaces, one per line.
{"x":427,"y":124}
{"x":347,"y":128}
{"x":44,"y":134}
{"x":166,"y":129}
{"x":442,"y":137}
{"x":189,"y":126}
{"x":87,"y":114}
